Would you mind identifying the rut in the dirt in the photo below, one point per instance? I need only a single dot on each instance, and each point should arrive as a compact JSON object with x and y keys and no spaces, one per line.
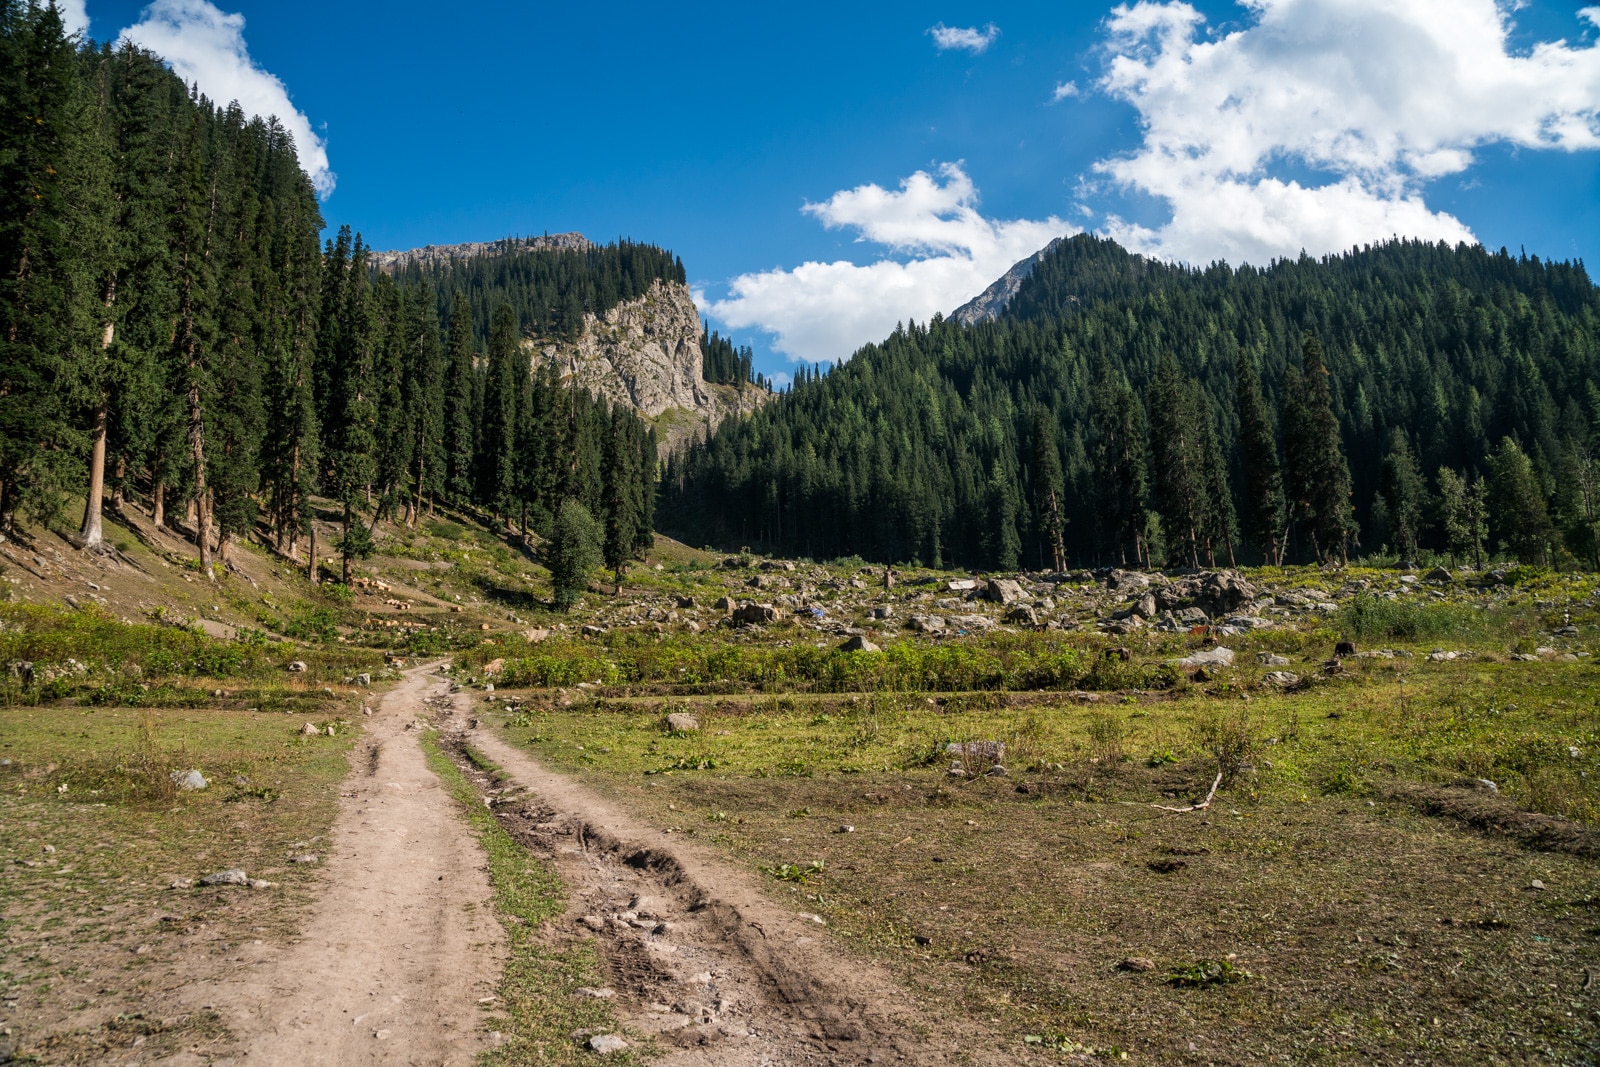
{"x":694,"y":954}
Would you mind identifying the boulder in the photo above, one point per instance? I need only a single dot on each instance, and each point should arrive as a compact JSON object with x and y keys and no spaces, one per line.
{"x":1003,"y":591}
{"x":685,"y":602}
{"x":1022,"y":615}
{"x":858,"y":643}
{"x":309,"y":730}
{"x":1127,"y":582}
{"x":1209,"y":657}
{"x":682,"y":723}
{"x":231,"y":876}
{"x":1271,"y":659}
{"x":1282,"y":679}
{"x":295,"y":666}
{"x":755,"y":615}
{"x":189,"y":781}
{"x":1146,"y":606}
{"x":927,"y":624}
{"x":1224,"y":592}
{"x":724,"y":605}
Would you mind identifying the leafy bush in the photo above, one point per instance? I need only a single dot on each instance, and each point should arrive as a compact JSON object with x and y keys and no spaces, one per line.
{"x":1374,"y":617}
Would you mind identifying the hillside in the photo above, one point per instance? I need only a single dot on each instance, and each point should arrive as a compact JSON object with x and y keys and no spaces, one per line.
{"x":948,"y":442}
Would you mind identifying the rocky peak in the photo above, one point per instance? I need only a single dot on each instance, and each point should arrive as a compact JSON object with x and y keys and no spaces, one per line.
{"x":993,"y":300}
{"x":444,"y":255}
{"x":646,"y":353}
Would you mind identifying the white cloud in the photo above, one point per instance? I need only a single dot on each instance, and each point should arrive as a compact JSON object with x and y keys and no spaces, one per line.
{"x":822,"y":312}
{"x":970,"y":38}
{"x":1381,"y":95}
{"x":205,"y":46}
{"x":74,"y":15}
{"x":1063,"y":90}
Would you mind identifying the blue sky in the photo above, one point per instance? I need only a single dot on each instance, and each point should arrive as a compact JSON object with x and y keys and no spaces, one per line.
{"x":928,"y":158}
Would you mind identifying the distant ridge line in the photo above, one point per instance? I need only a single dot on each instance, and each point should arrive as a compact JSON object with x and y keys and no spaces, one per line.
{"x":444,"y":255}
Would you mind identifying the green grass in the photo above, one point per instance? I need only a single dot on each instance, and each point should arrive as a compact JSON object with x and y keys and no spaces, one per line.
{"x":536,"y":988}
{"x":1306,"y":917}
{"x":91,"y":833}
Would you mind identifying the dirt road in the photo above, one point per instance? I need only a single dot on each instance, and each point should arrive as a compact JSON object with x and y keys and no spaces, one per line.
{"x":403,"y":942}
{"x":404,"y":949}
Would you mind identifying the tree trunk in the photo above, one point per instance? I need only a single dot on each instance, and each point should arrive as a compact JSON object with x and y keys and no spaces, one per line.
{"x":158,"y":503}
{"x":224,"y":541}
{"x":91,"y":535}
{"x":311,"y":568}
{"x":349,"y":520}
{"x":117,"y":500}
{"x":197,"y":450}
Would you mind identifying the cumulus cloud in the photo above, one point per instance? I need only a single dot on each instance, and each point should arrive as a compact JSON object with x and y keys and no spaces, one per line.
{"x":969,"y":38}
{"x":1063,"y":90}
{"x":205,"y":46}
{"x":1380,"y":96}
{"x":822,"y":312}
{"x":74,"y":15}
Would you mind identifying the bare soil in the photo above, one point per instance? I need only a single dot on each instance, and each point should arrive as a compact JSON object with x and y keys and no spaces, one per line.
{"x":401,"y":945}
{"x":696,"y":954}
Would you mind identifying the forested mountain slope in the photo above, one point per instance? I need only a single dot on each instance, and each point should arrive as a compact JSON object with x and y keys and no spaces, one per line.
{"x":1104,"y":407}
{"x":172,"y":328}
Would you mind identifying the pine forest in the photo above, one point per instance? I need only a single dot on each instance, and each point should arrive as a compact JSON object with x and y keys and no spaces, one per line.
{"x":174,"y":332}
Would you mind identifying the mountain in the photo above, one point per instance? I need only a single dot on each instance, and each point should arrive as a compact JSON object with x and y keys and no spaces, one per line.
{"x":447,"y":255}
{"x":1101,"y":413}
{"x":648,"y":353}
{"x":993,"y":300}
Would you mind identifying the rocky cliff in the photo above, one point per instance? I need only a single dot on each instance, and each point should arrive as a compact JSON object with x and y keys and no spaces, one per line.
{"x":646,"y":353}
{"x":444,"y":255}
{"x":993,"y":300}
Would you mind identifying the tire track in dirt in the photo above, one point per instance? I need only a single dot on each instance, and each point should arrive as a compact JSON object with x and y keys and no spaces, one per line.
{"x":403,"y":940}
{"x":696,"y":954}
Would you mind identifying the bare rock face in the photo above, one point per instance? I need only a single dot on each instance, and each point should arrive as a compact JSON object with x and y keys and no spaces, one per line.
{"x":993,"y":300}
{"x":443,"y":255}
{"x":646,"y":353}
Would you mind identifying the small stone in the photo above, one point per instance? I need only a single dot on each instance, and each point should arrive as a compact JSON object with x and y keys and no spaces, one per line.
{"x":996,"y":771}
{"x":597,"y":993}
{"x":309,"y":730}
{"x":189,"y":781}
{"x":181,"y":883}
{"x":1271,"y":659}
{"x":605,"y":1044}
{"x":363,"y":679}
{"x":259,"y":883}
{"x":307,"y":858}
{"x":1282,"y":679}
{"x":297,"y":667}
{"x":858,"y":644}
{"x":682,"y":723}
{"x":1536,"y":885}
{"x":846,"y":829}
{"x":1138,"y":964}
{"x":1210,"y":657}
{"x":231,"y":876}
{"x":593,"y":922}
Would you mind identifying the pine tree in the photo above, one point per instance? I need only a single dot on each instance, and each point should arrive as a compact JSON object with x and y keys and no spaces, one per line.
{"x":1258,"y":461}
{"x":1317,"y":474}
{"x":352,"y":415}
{"x":1516,"y":504}
{"x":1118,"y":465}
{"x":424,"y":398}
{"x":459,"y":431}
{"x":497,"y":480}
{"x":572,"y":553}
{"x":1177,"y":462}
{"x":1049,"y":488}
{"x":622,"y":517}
{"x":1403,"y":497}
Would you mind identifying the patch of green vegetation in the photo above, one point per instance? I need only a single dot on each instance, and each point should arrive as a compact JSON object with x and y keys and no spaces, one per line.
{"x":93,"y":829}
{"x":1204,"y":973}
{"x":537,"y":986}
